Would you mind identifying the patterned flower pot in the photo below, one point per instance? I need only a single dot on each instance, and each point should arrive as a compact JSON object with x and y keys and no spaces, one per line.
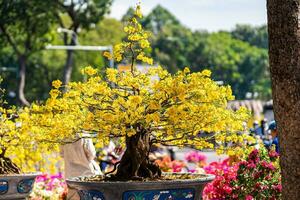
{"x":183,"y":189}
{"x":17,"y":186}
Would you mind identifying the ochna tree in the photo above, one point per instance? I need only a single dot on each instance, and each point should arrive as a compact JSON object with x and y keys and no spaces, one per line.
{"x":172,"y":110}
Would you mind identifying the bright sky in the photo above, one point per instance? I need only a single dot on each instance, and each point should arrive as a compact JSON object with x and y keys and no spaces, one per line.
{"x":211,"y":15}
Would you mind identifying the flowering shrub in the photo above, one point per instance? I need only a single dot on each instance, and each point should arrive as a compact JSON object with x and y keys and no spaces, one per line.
{"x":196,"y":157}
{"x":167,"y":165}
{"x":49,"y":187}
{"x":19,"y":153}
{"x":221,"y":187}
{"x":129,"y":105}
{"x":258,"y":177}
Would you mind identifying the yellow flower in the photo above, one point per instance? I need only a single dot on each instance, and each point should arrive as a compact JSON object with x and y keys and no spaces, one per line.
{"x":89,"y":71}
{"x":144,"y":44}
{"x":107,"y":55}
{"x":138,"y":11}
{"x":186,"y":70}
{"x":206,"y":72}
{"x":56,"y":84}
{"x":54,"y":94}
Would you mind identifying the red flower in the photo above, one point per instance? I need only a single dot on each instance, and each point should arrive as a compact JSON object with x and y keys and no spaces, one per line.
{"x":251,"y":165}
{"x":227,"y":189}
{"x":273,"y":154}
{"x":277,"y":188}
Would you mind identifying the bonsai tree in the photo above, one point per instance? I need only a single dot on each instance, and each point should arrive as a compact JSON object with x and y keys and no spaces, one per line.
{"x":9,"y":136}
{"x":130,"y":105}
{"x":18,"y":149}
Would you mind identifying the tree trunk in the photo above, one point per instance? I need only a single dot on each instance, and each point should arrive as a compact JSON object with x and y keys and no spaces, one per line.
{"x":68,"y":67}
{"x":69,"y":62}
{"x":135,"y":164}
{"x":22,"y":75}
{"x":7,"y":166}
{"x":284,"y":53}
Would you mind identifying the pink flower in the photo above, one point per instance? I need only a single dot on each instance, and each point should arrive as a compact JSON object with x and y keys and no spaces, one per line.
{"x":227,"y":189}
{"x":277,"y":188}
{"x":267,"y":165}
{"x":273,"y":154}
{"x":195,"y":157}
{"x":254,"y":156}
{"x":249,"y":197}
{"x":251,"y":165}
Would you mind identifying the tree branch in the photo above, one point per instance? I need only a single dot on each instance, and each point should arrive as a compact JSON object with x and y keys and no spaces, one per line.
{"x":10,"y":40}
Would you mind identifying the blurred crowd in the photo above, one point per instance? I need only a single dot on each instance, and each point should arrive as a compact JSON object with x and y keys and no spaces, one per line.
{"x":266,"y":132}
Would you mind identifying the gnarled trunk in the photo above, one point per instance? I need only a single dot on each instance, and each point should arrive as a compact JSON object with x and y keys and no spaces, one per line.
{"x":7,"y":166}
{"x":135,"y":164}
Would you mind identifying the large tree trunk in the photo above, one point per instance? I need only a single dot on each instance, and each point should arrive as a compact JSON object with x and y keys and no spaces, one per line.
{"x":135,"y":164}
{"x":284,"y":51}
{"x":22,"y":76}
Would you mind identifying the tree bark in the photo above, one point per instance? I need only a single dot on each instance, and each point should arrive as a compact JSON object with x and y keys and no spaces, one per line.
{"x":135,"y":164}
{"x":68,"y":67}
{"x":7,"y":166}
{"x":22,"y":76}
{"x":284,"y":55}
{"x":69,"y":62}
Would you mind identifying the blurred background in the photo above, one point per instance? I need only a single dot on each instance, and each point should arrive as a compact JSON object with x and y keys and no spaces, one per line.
{"x":228,"y":37}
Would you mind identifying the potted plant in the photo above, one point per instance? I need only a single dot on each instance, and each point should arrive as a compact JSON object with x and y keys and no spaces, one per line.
{"x":13,"y":183}
{"x":141,"y":111}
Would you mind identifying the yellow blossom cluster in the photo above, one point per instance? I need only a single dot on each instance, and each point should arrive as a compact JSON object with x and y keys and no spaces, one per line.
{"x":184,"y":109}
{"x":137,"y":41}
{"x":19,"y":143}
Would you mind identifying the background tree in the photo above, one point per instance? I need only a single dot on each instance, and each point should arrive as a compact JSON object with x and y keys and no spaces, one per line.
{"x":256,"y":36}
{"x":240,"y":53}
{"x":75,"y":15}
{"x":126,"y":17}
{"x":158,"y":18}
{"x":284,"y":53}
{"x":174,"y":46}
{"x":236,"y":63}
{"x":24,"y":26}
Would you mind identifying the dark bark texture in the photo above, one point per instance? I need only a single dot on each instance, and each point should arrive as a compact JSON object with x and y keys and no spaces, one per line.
{"x":135,"y":164}
{"x":7,"y":166}
{"x":284,"y":55}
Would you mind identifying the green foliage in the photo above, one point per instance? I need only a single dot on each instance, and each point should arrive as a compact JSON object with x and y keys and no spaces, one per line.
{"x":158,"y":19}
{"x":256,"y":36}
{"x":238,"y":58}
{"x":25,"y":24}
{"x":82,"y":13}
{"x":106,"y":32}
{"x":237,"y":63}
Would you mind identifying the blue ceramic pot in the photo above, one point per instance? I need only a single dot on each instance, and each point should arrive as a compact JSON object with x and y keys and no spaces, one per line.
{"x":183,"y":189}
{"x":16,"y":186}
